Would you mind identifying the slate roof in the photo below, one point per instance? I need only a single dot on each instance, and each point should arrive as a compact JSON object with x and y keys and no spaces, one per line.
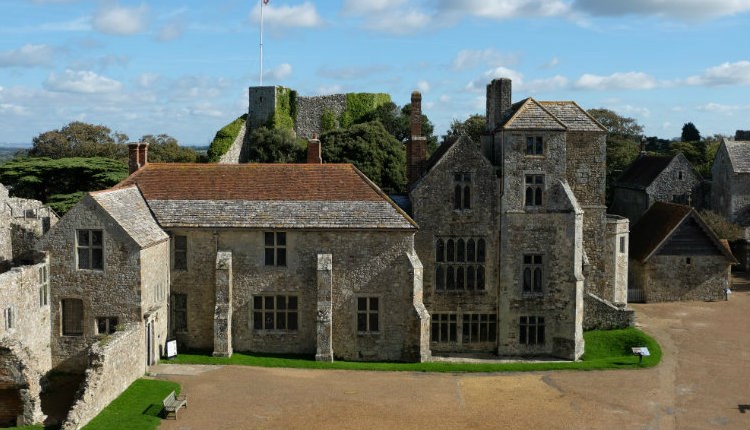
{"x":130,"y":211}
{"x":572,"y":115}
{"x":642,"y":172}
{"x":530,"y":114}
{"x":658,"y":223}
{"x":266,"y":196}
{"x":739,"y":155}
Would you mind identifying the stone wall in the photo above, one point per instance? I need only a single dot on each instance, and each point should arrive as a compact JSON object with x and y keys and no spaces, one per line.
{"x":113,"y":291}
{"x":602,"y":315}
{"x":114,"y":362}
{"x":311,"y":109}
{"x":668,"y":184}
{"x":235,"y":152}
{"x":666,"y":278}
{"x":22,"y":223}
{"x":380,"y":269}
{"x":618,"y":236}
{"x":261,"y":105}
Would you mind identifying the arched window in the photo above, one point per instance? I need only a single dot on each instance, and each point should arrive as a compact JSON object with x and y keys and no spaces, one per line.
{"x":459,"y":264}
{"x":451,"y":251}
{"x":439,"y":278}
{"x":439,"y":250}
{"x":457,"y":200}
{"x":538,"y":280}
{"x":470,"y":250}
{"x":467,"y":197}
{"x":527,"y":279}
{"x":460,"y":278}
{"x":470,"y":278}
{"x":480,"y":278}
{"x":451,"y":279}
{"x":461,"y":251}
{"x":480,"y":250}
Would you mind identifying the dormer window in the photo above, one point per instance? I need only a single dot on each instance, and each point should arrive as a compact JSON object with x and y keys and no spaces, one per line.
{"x":462,"y":190}
{"x":534,"y":145}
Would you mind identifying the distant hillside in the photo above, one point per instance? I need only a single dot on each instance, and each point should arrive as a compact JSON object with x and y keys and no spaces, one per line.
{"x":8,"y":153}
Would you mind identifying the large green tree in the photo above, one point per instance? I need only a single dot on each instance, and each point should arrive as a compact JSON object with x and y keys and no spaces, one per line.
{"x":60,"y":182}
{"x":165,"y":149}
{"x":473,"y":127}
{"x":80,"y":139}
{"x":398,"y":123}
{"x":372,"y":149}
{"x":690,"y":133}
{"x":275,"y":145}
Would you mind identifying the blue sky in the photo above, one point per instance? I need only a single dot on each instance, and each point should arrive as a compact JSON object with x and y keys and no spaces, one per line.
{"x":182,"y":67}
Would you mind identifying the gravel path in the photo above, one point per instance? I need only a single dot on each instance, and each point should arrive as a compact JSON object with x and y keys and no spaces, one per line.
{"x":702,"y":383}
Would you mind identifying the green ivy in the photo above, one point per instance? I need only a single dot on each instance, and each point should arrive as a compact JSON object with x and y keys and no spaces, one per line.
{"x":360,"y":104}
{"x":285,"y":114}
{"x":224,"y":138}
{"x":328,"y":121}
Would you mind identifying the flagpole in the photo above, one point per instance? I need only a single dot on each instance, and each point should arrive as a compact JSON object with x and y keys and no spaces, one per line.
{"x":261,"y":42}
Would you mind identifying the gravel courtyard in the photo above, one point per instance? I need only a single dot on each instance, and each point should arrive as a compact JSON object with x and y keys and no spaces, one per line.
{"x":703,"y":382}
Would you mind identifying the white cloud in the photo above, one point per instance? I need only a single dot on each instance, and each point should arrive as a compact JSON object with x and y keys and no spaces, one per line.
{"x":146,"y":80}
{"x":721,"y":108}
{"x":28,"y":56}
{"x":280,"y":72}
{"x":504,"y":9}
{"x":398,"y":22}
{"x":679,"y":9}
{"x":423,"y":86}
{"x":363,"y":7}
{"x":171,"y":31}
{"x":616,"y":81}
{"x":329,"y":89}
{"x":553,"y":62}
{"x":638,"y":111}
{"x":86,"y":82}
{"x":444,"y":98}
{"x":554,"y":83}
{"x":480,"y":84}
{"x":9,"y":108}
{"x":206,"y":109}
{"x":468,"y":58}
{"x":724,"y":74}
{"x":112,"y":18}
{"x":304,"y":15}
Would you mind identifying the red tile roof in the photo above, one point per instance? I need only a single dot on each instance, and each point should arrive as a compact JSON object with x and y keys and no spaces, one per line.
{"x":283,"y":182}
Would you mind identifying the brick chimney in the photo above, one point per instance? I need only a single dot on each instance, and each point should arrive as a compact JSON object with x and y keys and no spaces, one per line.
{"x":314,"y":151}
{"x":137,"y":156}
{"x":416,"y":148}
{"x":498,"y":101}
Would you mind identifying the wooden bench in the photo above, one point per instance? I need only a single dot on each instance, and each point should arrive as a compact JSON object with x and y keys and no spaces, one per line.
{"x":172,"y":403}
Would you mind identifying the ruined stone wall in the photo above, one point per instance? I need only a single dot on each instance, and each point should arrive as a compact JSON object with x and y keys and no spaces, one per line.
{"x":434,"y":210}
{"x":311,"y":109}
{"x":602,"y":315}
{"x":22,"y":223}
{"x":667,"y":278}
{"x":6,"y":248}
{"x":114,"y":362}
{"x":154,"y":287}
{"x":380,"y":269}
{"x":235,"y":151}
{"x":113,"y":291}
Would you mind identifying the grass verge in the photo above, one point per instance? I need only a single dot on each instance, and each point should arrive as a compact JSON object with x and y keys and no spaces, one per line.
{"x":605,"y":349}
{"x":137,"y":408}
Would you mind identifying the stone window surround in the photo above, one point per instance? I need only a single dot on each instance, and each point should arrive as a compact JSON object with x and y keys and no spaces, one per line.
{"x":534,"y":146}
{"x":109,"y":325}
{"x":533,"y":186}
{"x":180,"y":252}
{"x":623,"y":244}
{"x":478,"y":328}
{"x":532,"y":264}
{"x":271,"y":315}
{"x":91,"y":249}
{"x":462,"y":186}
{"x":179,"y":307}
{"x":370,"y":315}
{"x":531,"y":330}
{"x":71,"y":317}
{"x":43,"y":287}
{"x":8,"y":318}
{"x":464,"y":263}
{"x":444,"y":327}
{"x":275,"y":246}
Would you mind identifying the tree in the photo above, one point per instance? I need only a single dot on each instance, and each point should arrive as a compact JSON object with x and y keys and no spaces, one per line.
{"x":690,"y":133}
{"x":372,"y":150}
{"x":615,"y":124}
{"x":473,"y":127}
{"x":398,"y":123}
{"x":62,"y":182}
{"x":276,"y":145}
{"x":79,"y":139}
{"x":164,"y":149}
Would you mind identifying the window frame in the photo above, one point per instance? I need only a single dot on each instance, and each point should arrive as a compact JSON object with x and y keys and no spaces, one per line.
{"x":180,"y":253}
{"x":462,"y":186}
{"x":66,"y":319}
{"x":533,"y":190}
{"x":533,"y":264}
{"x":90,"y":249}
{"x":368,"y":313}
{"x":43,"y":286}
{"x":110,"y":325}
{"x":478,"y":327}
{"x":444,"y":325}
{"x":179,"y":310}
{"x":535,"y":146}
{"x":290,"y":314}
{"x":531,"y":330}
{"x":9,"y":318}
{"x":275,"y":254}
{"x":460,"y":264}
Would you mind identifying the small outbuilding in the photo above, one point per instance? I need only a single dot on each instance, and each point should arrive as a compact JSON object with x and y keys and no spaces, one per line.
{"x":675,"y":256}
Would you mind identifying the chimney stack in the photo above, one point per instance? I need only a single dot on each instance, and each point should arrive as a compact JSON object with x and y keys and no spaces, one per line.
{"x":416,"y":148}
{"x":314,"y":151}
{"x":499,"y":93}
{"x":137,"y":156}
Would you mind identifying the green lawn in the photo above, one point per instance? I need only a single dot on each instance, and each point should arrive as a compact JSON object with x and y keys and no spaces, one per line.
{"x":138,"y":408}
{"x":608,"y":349}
